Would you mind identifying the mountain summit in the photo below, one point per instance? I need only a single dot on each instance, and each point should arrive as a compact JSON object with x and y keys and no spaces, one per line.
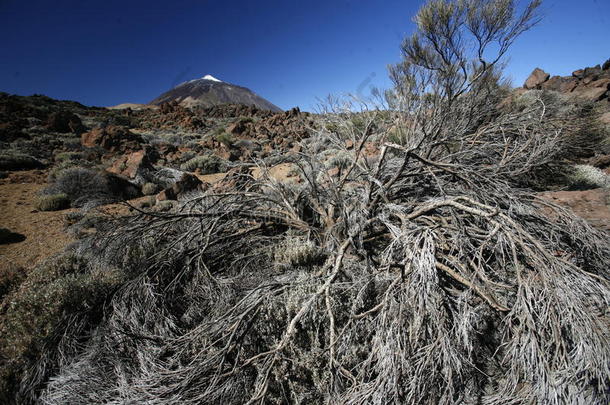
{"x":208,"y":91}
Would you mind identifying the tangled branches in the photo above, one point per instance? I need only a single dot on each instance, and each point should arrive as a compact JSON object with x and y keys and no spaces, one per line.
{"x":417,"y":280}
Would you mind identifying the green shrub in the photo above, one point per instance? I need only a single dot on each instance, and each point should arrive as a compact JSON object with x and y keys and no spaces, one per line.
{"x":207,"y":164}
{"x":53,"y":202}
{"x":150,"y":189}
{"x":11,"y":160}
{"x":69,"y":156}
{"x":225,"y":138}
{"x":55,"y":291}
{"x":147,"y":202}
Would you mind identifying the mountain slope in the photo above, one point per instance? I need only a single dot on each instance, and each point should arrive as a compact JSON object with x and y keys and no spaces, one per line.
{"x":209,"y":91}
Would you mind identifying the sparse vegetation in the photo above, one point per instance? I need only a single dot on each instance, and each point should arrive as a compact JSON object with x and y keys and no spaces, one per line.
{"x":69,"y":156}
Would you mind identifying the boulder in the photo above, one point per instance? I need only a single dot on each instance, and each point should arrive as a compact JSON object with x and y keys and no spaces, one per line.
{"x":536,"y":78}
{"x":132,"y":166}
{"x":561,"y":84}
{"x":591,"y":93}
{"x":64,"y":122}
{"x":188,"y":182}
{"x":236,"y":128}
{"x":600,"y":83}
{"x":113,"y":139}
{"x":606,"y":65}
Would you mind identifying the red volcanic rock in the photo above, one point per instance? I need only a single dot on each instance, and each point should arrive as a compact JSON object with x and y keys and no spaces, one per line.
{"x":561,"y":84}
{"x":237,"y":128}
{"x":113,"y":139}
{"x":591,"y":93}
{"x":536,"y":78}
{"x":578,"y":73}
{"x":131,"y":165}
{"x":591,"y":83}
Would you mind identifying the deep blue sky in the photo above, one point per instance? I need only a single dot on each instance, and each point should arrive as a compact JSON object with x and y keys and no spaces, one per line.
{"x":108,"y":52}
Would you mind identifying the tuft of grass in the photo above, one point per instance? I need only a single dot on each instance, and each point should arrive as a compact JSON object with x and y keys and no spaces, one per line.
{"x":164,"y":206}
{"x":53,"y":202}
{"x":150,"y":189}
{"x":11,"y":277}
{"x":207,"y":164}
{"x":298,"y":252}
{"x":586,"y":177}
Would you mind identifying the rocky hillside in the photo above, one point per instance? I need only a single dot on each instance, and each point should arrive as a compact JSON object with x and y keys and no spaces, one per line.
{"x":209,"y":91}
{"x":590,"y":83}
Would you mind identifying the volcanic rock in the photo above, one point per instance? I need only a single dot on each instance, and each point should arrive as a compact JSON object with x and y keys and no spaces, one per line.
{"x":188,"y":182}
{"x":113,"y":139}
{"x":133,"y":166}
{"x":536,"y":78}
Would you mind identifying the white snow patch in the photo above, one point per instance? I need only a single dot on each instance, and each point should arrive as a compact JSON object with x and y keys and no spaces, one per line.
{"x":210,"y":77}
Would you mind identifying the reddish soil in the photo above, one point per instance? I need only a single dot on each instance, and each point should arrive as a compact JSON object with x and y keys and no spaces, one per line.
{"x":44,"y":231}
{"x":592,"y":205}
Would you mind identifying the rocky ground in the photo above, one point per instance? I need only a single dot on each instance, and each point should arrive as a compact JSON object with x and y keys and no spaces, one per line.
{"x":155,"y":153}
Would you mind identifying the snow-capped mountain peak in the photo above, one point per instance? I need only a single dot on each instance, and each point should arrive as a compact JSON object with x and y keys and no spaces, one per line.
{"x":208,"y":91}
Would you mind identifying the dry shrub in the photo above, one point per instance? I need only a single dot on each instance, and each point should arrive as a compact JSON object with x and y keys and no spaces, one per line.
{"x":435,"y":280}
{"x":90,"y":187}
{"x":11,"y":160}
